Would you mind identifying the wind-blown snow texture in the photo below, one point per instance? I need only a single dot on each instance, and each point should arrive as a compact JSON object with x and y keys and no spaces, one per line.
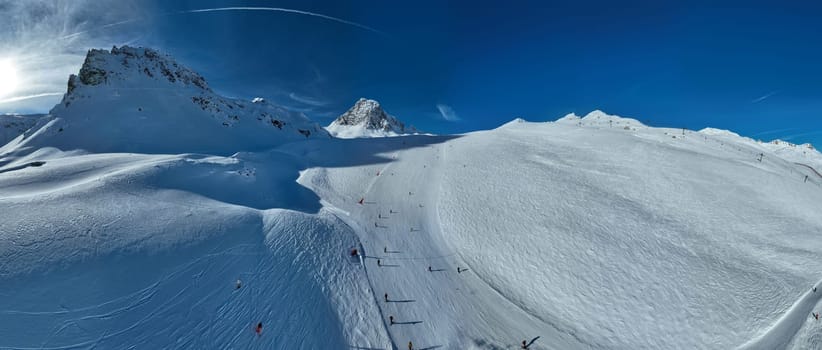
{"x":592,"y":232}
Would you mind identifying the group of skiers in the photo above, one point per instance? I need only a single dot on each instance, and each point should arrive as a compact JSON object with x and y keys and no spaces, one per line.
{"x":354,"y":252}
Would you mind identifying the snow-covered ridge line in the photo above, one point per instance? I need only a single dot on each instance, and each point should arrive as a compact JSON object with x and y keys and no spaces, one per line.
{"x":600,"y":118}
{"x":797,"y":153}
{"x":139,"y":100}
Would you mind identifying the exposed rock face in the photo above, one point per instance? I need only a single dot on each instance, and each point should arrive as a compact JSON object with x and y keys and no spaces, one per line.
{"x":119,"y":64}
{"x":367,"y":118}
{"x":140,"y":100}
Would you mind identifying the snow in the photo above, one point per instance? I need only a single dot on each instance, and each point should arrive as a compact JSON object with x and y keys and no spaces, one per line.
{"x":719,"y":132}
{"x":601,"y":119}
{"x":126,"y":230}
{"x":367,"y":119}
{"x":138,"y":100}
{"x":13,"y":125}
{"x":804,"y":154}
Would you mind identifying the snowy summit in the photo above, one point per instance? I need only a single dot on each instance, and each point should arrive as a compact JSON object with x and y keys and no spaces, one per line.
{"x":367,"y":119}
{"x":139,"y":100}
{"x":600,"y":118}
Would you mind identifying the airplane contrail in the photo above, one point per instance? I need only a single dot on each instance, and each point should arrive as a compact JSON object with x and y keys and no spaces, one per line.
{"x":775,"y":131}
{"x":764,"y":97}
{"x":101,"y":27}
{"x":280,"y":9}
{"x":20,"y":98}
{"x":219,"y":9}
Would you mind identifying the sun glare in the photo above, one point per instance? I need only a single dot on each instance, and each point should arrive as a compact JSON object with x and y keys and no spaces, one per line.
{"x":8,"y":78}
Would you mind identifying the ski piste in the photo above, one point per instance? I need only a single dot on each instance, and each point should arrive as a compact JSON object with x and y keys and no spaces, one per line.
{"x":117,"y":231}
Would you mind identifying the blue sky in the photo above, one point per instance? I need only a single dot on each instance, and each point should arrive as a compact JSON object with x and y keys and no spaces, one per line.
{"x":752,"y":67}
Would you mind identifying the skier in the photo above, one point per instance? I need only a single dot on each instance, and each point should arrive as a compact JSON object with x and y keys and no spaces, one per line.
{"x":379,"y":216}
{"x":385,"y":249}
{"x":429,"y":269}
{"x":379,"y":263}
{"x":354,"y":252}
{"x":459,"y":270}
{"x":524,"y":346}
{"x":239,"y":284}
{"x":410,"y":346}
{"x":391,"y":320}
{"x":816,"y":315}
{"x":259,"y":329}
{"x":361,"y":199}
{"x":386,"y":300}
{"x":814,"y":289}
{"x":375,"y":224}
{"x":390,"y":211}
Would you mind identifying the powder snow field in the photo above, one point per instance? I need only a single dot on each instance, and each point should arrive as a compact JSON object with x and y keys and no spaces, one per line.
{"x":114,"y":251}
{"x":577,"y":234}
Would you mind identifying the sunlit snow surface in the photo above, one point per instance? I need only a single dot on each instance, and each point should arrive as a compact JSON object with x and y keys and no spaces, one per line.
{"x":579,"y":234}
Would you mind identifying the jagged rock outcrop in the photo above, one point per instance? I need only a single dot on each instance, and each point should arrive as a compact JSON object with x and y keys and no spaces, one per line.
{"x":367,"y":119}
{"x":140,"y":100}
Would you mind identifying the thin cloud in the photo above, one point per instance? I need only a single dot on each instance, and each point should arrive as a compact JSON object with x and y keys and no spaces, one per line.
{"x":318,"y":76}
{"x":307,"y":100}
{"x":37,"y":38}
{"x":28,"y":97}
{"x":447,"y":113}
{"x":765,"y":97}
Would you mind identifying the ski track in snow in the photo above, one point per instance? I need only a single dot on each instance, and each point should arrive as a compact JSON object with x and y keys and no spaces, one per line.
{"x":559,"y":247}
{"x":784,"y":330}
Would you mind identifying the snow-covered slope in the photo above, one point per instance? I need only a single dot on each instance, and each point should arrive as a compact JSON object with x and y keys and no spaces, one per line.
{"x":122,"y":250}
{"x":586,"y":237}
{"x":804,"y":154}
{"x":586,"y":233}
{"x":14,"y":125}
{"x":367,"y":119}
{"x":138,"y":100}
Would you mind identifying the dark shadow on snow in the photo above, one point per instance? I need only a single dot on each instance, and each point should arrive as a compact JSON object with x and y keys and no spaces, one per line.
{"x":432,"y":347}
{"x":20,"y":167}
{"x":401,"y":301}
{"x":487,"y":345}
{"x":273,"y":183}
{"x":408,"y":322}
{"x":532,"y":341}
